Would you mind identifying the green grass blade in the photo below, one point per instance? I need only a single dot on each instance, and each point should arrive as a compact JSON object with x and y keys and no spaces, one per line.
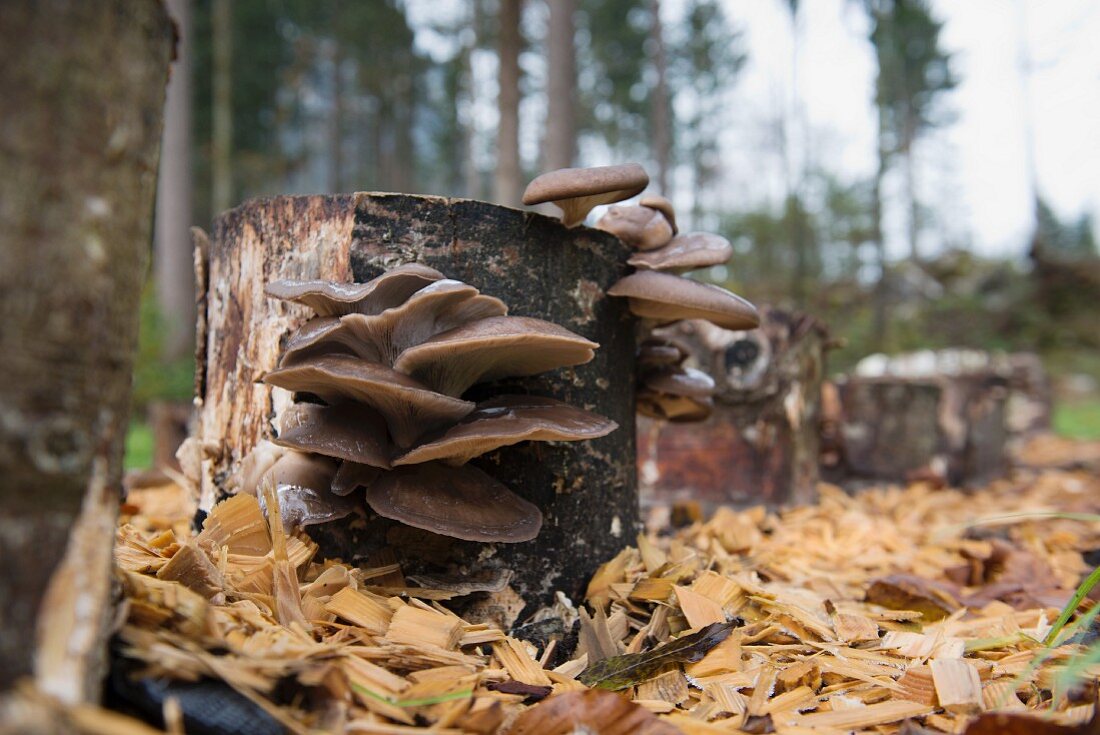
{"x":1083,"y":590}
{"x":422,"y":702}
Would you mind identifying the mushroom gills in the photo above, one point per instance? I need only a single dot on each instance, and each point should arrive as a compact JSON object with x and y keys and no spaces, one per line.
{"x":461,"y":502}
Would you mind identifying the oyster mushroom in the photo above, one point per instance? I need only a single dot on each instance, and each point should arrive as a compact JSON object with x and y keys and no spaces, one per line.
{"x":348,"y":431}
{"x":677,"y":409}
{"x":492,"y":348}
{"x":575,"y":191}
{"x":409,"y":407}
{"x":685,"y":252}
{"x":326,"y":298}
{"x":462,"y":502}
{"x":642,"y":228}
{"x":662,"y":205}
{"x":655,"y":352}
{"x":665,"y":298}
{"x":505,"y":421}
{"x":351,"y":476}
{"x":435,"y":308}
{"x":302,"y":485}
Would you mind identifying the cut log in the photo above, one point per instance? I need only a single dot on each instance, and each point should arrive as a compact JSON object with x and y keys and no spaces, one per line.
{"x":586,"y":490}
{"x":83,"y":90}
{"x":935,"y":424}
{"x":760,"y":445}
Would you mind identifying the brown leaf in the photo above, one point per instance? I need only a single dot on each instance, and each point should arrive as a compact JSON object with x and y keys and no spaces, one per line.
{"x":620,"y":672}
{"x":599,"y":712}
{"x":533,"y":692}
{"x":1005,"y":724}
{"x":934,"y":600}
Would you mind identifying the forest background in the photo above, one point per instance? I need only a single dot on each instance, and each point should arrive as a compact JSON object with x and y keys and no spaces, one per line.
{"x":718,"y":99}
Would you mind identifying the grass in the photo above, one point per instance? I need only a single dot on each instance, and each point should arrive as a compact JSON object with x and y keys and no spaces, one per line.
{"x":1078,"y":419}
{"x":139,"y":446}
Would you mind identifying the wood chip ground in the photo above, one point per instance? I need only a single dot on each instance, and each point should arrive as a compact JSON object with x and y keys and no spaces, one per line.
{"x":859,"y":613}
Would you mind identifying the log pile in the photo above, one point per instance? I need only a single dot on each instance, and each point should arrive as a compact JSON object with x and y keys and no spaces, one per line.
{"x":855,"y":614}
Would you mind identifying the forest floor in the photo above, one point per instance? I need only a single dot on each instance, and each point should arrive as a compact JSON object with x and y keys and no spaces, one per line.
{"x":900,"y":609}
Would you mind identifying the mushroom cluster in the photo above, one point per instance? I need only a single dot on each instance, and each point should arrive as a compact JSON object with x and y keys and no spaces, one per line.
{"x":378,"y":376}
{"x":657,"y":292}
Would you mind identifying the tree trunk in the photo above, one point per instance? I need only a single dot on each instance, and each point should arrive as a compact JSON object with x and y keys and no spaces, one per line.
{"x":586,"y":490}
{"x":175,"y":286}
{"x":560,"y":146}
{"x":509,"y":174}
{"x":761,"y":443}
{"x":83,"y":84}
{"x":662,"y":125}
{"x":881,"y":299}
{"x":335,"y":120}
{"x":221,"y":143}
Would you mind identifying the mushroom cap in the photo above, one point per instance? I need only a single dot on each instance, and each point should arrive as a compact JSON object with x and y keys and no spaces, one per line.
{"x":336,"y":299}
{"x":352,"y":475}
{"x":677,"y":409}
{"x":435,"y":308}
{"x":642,"y":228}
{"x":492,"y":348}
{"x":681,"y":381}
{"x":303,"y":486}
{"x":655,"y":352}
{"x":508,"y":420}
{"x":254,"y":466}
{"x":461,"y":502}
{"x":667,"y":298}
{"x":576,"y":190}
{"x":686,"y":252}
{"x":662,"y":205}
{"x":349,"y":431}
{"x":301,"y":469}
{"x":409,"y":407}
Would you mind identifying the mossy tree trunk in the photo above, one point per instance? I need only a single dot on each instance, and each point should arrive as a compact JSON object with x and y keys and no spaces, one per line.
{"x":586,"y":490}
{"x":83,"y":85}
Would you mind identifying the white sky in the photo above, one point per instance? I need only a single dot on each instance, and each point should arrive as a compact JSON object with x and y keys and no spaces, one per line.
{"x":974,"y":174}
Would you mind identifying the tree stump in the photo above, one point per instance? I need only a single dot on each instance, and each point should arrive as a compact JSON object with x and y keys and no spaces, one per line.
{"x":948,"y":426}
{"x":586,"y":490}
{"x":760,"y":445}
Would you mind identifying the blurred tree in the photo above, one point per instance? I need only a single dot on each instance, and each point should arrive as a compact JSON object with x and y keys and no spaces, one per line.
{"x":559,"y":147}
{"x":660,"y":115}
{"x":613,"y":91}
{"x":508,"y":182}
{"x":172,"y":258}
{"x":705,"y":57}
{"x":913,"y":74}
{"x":222,"y":105}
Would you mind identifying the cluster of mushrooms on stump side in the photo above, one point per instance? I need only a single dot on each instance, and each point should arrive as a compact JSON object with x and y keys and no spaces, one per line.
{"x":656,"y":293}
{"x":440,"y":381}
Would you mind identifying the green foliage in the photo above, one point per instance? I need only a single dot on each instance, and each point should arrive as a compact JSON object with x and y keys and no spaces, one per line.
{"x":913,"y":70}
{"x":1078,"y":419}
{"x":154,"y":377}
{"x":1066,"y":239}
{"x":139,"y":446}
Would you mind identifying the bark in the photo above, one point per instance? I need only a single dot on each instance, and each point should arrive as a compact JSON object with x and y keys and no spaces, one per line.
{"x":79,"y":157}
{"x":221,"y":143}
{"x":175,"y":287}
{"x":586,"y":490}
{"x":761,"y":444}
{"x":662,"y":125}
{"x":508,"y":185}
{"x":560,"y":145}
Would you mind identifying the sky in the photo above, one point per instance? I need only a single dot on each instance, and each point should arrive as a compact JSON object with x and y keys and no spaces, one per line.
{"x":1028,"y":69}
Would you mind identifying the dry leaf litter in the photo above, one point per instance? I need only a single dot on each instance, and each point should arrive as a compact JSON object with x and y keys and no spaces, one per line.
{"x":856,"y":614}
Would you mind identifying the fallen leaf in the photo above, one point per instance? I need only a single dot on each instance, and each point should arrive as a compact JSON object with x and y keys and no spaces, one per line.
{"x":933,"y":600}
{"x":533,"y":692}
{"x":598,"y":712}
{"x":1004,"y":724}
{"x":620,"y":672}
